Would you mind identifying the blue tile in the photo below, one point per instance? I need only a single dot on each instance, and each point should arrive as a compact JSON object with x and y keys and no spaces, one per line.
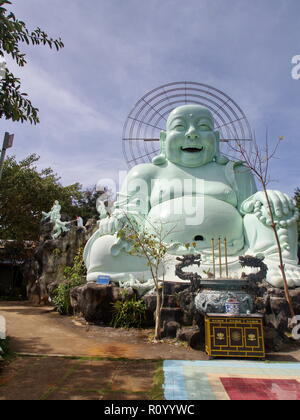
{"x":188,"y":379}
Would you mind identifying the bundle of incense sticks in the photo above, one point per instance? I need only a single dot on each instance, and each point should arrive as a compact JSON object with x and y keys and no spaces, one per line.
{"x":220,"y":257}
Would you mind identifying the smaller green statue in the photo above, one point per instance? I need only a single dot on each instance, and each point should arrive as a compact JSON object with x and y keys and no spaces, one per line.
{"x":55,"y":218}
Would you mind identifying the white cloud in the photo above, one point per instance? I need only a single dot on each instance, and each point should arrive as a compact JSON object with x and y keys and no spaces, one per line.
{"x":62,"y":108}
{"x":116,"y":51}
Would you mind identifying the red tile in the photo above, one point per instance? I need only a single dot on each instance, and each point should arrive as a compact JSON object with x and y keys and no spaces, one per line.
{"x":261,"y":389}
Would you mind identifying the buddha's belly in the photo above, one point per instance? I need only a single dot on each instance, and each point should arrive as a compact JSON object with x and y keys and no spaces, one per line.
{"x":198,"y":219}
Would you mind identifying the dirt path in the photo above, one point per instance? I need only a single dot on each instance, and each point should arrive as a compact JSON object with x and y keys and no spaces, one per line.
{"x":94,"y":363}
{"x":40,"y":331}
{"x":53,"y":378}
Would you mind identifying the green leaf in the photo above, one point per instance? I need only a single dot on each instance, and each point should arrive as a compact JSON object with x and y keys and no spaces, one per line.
{"x":13,"y":32}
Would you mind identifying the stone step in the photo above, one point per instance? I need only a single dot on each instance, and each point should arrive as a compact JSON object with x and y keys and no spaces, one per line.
{"x":170,"y":288}
{"x":171,"y":314}
{"x":171,"y":301}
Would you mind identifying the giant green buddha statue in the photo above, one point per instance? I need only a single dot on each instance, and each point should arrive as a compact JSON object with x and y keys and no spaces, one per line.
{"x":195,"y":194}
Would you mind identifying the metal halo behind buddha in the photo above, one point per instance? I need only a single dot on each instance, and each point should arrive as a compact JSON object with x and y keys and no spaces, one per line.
{"x":140,"y":140}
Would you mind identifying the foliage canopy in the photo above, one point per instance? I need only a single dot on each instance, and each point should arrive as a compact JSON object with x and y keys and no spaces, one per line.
{"x":26,"y":191}
{"x":14,"y":104}
{"x":73,"y":276}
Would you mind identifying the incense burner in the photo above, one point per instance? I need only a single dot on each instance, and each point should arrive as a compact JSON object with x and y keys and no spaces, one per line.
{"x":215,"y":293}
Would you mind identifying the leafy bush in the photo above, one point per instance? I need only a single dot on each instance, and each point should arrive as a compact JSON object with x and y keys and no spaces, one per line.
{"x":73,"y":276}
{"x":128,"y":313}
{"x":56,"y":252}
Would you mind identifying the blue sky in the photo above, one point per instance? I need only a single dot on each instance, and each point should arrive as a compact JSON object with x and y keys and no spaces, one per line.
{"x":117,"y":50}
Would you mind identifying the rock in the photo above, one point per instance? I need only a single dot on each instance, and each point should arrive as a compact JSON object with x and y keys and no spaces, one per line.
{"x":171,"y":314}
{"x":178,"y":307}
{"x":45,"y":270}
{"x":196,"y":340}
{"x":171,"y":311}
{"x":171,"y":301}
{"x":193,"y":336}
{"x":46,"y":229}
{"x":150,"y":302}
{"x":271,"y":302}
{"x":273,"y":340}
{"x":278,"y":305}
{"x":186,"y":301}
{"x":295,"y":295}
{"x":95,"y":301}
{"x":173,"y":288}
{"x":170,"y":329}
{"x":262,"y":304}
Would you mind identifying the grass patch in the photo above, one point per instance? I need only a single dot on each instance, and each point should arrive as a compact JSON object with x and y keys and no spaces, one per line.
{"x":59,"y":386}
{"x":128,"y":313}
{"x":157,"y":390}
{"x":85,"y":358}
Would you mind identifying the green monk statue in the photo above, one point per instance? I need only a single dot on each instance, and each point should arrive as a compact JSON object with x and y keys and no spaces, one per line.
{"x":196,"y":194}
{"x":55,"y":217}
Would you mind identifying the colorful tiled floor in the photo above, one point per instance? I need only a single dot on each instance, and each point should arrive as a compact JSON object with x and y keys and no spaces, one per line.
{"x":231,"y":380}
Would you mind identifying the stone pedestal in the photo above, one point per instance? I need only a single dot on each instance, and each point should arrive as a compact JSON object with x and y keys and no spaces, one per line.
{"x":213,"y":301}
{"x":271,"y":302}
{"x":46,"y":269}
{"x":95,"y":301}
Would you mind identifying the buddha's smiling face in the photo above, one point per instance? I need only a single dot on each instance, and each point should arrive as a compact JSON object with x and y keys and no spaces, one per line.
{"x":190,"y":139}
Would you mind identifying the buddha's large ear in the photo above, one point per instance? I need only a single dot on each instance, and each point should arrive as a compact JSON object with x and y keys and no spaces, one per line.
{"x":161,"y":158}
{"x":221,"y":159}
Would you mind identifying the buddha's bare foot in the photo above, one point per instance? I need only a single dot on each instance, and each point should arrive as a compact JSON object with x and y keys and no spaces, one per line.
{"x":275,"y":277}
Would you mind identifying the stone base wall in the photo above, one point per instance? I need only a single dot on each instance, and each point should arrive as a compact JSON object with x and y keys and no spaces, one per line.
{"x":179,"y":315}
{"x":94,"y":302}
{"x":46,"y":269}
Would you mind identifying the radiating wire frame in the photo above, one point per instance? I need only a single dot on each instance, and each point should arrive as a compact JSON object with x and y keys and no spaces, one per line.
{"x":148,"y":118}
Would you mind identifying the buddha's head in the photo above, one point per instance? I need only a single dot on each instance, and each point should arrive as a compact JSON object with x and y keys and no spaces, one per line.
{"x":189,"y":139}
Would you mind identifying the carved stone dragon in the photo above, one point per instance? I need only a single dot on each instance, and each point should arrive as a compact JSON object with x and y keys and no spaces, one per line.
{"x":187,"y":261}
{"x":245,"y":261}
{"x":253,"y":278}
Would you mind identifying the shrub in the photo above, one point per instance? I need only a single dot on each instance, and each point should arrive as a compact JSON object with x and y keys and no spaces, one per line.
{"x":56,"y":252}
{"x":128,"y":313}
{"x":73,"y":276}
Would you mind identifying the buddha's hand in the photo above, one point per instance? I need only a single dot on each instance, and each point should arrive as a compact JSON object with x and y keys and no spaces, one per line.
{"x":113,"y":224}
{"x":281,"y":205}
